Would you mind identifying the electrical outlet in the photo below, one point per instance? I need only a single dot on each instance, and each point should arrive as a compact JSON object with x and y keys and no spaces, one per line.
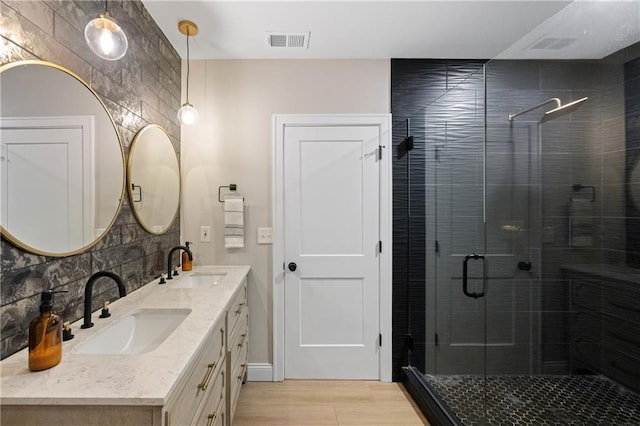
{"x":264,"y":236}
{"x":205,"y":234}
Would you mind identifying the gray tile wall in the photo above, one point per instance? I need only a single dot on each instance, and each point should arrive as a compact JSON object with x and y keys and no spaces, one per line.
{"x":140,"y":89}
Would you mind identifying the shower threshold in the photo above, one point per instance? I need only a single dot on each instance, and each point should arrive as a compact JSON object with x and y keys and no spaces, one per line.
{"x":539,"y":400}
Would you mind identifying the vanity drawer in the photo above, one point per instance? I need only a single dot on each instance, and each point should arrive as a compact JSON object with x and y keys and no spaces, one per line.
{"x":237,"y":378}
{"x":237,"y":306}
{"x":213,"y":411}
{"x":203,"y":373}
{"x":239,"y":339}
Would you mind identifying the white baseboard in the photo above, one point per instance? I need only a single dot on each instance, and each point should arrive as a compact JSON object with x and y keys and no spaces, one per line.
{"x":259,"y":372}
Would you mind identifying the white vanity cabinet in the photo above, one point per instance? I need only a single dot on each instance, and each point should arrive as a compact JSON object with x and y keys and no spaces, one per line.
{"x":237,"y":348}
{"x":201,"y":396}
{"x":192,"y":378}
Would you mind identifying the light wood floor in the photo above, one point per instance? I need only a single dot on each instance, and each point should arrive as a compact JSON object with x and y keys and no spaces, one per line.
{"x":325,"y":402}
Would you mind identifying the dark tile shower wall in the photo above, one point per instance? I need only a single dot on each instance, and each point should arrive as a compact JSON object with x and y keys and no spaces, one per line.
{"x":140,"y":89}
{"x":415,"y":84}
{"x":586,"y":147}
{"x":632,"y":160}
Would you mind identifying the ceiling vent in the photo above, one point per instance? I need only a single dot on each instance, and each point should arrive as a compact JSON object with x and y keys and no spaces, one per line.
{"x":553,"y":43}
{"x":289,"y":40}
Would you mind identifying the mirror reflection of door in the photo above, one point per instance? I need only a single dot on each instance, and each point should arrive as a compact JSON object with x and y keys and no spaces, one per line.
{"x":47,"y":181}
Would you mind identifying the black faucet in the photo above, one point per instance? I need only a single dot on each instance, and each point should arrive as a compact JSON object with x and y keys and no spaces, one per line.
{"x":169,"y":277}
{"x":89,"y":289}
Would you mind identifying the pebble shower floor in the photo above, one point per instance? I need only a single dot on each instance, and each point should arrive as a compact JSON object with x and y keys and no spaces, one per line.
{"x":538,"y":400}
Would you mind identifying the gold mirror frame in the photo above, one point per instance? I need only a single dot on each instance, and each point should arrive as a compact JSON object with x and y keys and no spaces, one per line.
{"x":103,"y":123}
{"x":152,"y":153}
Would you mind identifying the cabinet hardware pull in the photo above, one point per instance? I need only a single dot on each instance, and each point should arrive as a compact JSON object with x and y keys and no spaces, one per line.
{"x":239,"y":308}
{"x":244,"y":371}
{"x":212,"y":418}
{"x":242,"y":341}
{"x":205,"y":383}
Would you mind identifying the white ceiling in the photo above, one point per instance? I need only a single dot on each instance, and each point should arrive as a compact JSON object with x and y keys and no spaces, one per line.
{"x":361,"y":29}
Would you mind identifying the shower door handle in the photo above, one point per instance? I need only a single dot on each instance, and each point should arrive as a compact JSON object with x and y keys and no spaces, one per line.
{"x":465,"y":281}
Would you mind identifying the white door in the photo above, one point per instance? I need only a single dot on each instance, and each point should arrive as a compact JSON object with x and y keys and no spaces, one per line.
{"x":331,"y":236}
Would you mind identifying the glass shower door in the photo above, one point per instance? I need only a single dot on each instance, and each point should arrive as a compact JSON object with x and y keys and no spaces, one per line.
{"x":458,"y":232}
{"x":482,"y":211}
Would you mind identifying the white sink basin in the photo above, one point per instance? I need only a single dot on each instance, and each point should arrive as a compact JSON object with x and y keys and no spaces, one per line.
{"x":140,"y":332}
{"x":198,"y":279}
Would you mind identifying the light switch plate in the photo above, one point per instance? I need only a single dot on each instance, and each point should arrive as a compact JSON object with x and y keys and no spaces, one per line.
{"x":205,"y":234}
{"x":264,"y":236}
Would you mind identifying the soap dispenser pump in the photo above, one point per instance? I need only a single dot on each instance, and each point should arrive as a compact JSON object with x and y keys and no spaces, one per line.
{"x":187,"y":264}
{"x":45,"y":336}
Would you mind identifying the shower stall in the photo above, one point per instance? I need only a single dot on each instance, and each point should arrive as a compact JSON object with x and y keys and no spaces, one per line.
{"x":517,"y":234}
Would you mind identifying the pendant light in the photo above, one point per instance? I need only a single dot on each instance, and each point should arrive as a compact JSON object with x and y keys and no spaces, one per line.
{"x":105,"y":37}
{"x":187,"y":114}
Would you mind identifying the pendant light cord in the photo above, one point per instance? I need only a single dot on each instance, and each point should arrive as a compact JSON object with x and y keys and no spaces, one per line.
{"x":187,"y":64}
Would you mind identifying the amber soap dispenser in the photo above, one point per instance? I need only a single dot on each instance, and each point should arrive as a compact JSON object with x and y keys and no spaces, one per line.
{"x":187,"y":264}
{"x":45,"y":336}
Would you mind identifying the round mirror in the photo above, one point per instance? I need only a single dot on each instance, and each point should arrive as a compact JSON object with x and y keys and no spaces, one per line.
{"x":153,"y":179}
{"x":62,"y":164}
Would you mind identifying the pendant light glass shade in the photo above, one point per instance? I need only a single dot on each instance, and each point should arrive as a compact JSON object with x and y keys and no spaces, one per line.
{"x":105,"y":38}
{"x":187,"y":114}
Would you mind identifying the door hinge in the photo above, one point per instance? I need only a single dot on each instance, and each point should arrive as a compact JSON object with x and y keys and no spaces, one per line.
{"x":436,"y":339}
{"x":408,"y":143}
{"x":380,"y":339}
{"x":379,"y":246}
{"x":437,"y":246}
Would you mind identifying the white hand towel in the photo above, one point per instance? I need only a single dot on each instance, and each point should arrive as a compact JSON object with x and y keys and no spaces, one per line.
{"x":234,"y":223}
{"x":581,"y":223}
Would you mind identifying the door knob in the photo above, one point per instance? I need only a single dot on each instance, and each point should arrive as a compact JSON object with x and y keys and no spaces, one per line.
{"x":292,"y":266}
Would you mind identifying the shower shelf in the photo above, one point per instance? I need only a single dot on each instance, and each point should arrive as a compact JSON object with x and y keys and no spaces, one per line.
{"x":577,"y":187}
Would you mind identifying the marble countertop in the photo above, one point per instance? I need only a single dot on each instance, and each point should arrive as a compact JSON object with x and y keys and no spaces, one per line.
{"x":141,"y":379}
